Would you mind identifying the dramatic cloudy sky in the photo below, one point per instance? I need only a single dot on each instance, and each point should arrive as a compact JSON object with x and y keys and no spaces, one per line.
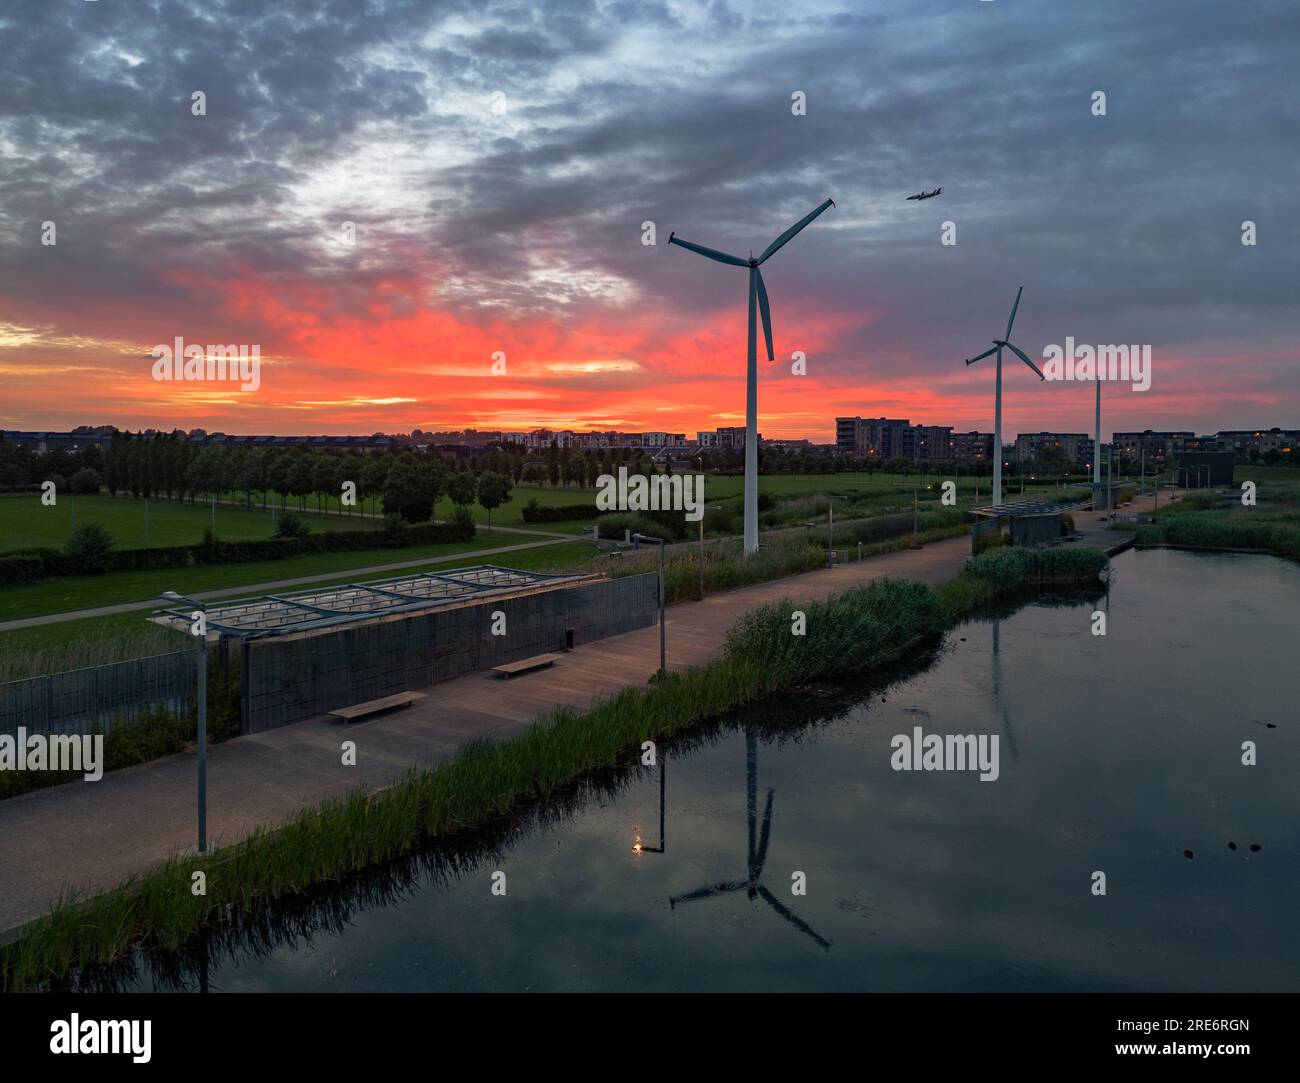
{"x":499,"y":160}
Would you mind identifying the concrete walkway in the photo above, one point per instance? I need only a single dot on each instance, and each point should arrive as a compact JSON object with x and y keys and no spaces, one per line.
{"x":91,"y":836}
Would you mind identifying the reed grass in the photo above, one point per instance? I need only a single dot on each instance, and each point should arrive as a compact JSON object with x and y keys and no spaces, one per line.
{"x":1278,"y":535}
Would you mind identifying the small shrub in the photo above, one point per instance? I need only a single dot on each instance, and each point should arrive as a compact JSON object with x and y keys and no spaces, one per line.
{"x":290,"y":525}
{"x":85,"y":482}
{"x":90,"y":548}
{"x":613,"y":526}
{"x":992,"y":539}
{"x":463,"y":518}
{"x":394,"y":530}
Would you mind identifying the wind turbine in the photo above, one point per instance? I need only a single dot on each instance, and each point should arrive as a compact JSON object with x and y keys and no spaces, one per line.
{"x":757,"y":295}
{"x":757,"y":854}
{"x":998,"y":344}
{"x":1096,"y":447}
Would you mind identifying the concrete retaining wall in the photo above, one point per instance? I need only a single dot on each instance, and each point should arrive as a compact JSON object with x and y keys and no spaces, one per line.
{"x":288,"y":680}
{"x":1036,"y":529}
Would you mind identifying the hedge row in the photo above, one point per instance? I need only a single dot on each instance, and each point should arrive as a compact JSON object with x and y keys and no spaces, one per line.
{"x":25,"y":565}
{"x":534,"y":512}
{"x":18,"y":568}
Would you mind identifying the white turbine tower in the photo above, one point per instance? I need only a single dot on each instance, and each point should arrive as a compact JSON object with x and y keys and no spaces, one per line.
{"x":1096,"y":443}
{"x":998,"y":344}
{"x":757,"y":295}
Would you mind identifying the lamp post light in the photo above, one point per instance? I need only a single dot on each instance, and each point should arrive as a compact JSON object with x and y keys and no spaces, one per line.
{"x":201,"y":655}
{"x":637,"y":539}
{"x":638,"y":846}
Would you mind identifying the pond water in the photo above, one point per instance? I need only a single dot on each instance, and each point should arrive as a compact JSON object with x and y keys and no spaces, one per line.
{"x":1116,"y":754}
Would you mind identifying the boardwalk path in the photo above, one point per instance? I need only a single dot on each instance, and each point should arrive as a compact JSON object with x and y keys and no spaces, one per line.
{"x":92,"y":835}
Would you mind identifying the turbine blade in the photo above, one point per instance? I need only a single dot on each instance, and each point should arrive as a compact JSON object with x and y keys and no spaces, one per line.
{"x":766,"y":312}
{"x":1013,"y":313}
{"x":772,"y":248}
{"x":707,"y":892}
{"x":1017,"y":351}
{"x":712,"y":253}
{"x":792,"y":917}
{"x":980,"y":357}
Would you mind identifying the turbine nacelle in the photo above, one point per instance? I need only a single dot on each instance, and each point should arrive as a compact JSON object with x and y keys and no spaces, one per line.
{"x":757,"y":290}
{"x":1000,"y":344}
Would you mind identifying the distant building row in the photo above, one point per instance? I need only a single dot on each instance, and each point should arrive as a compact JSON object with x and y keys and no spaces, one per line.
{"x":882,"y":438}
{"x":879,"y":438}
{"x":1241,"y":442}
{"x":731,"y":437}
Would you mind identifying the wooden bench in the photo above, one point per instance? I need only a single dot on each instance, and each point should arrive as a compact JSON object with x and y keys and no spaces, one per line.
{"x":538,"y":661}
{"x":376,"y":706}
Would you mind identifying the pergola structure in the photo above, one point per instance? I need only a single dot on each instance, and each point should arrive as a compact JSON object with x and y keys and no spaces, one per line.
{"x":325,"y":607}
{"x":1027,"y":507}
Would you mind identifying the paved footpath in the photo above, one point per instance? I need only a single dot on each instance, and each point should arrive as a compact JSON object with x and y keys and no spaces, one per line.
{"x":91,"y":836}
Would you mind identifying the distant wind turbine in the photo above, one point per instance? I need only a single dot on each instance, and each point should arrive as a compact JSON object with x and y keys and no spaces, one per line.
{"x":757,"y":294}
{"x":998,"y":344}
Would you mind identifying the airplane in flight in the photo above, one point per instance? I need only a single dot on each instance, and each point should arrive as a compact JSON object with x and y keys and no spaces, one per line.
{"x":927,"y":195}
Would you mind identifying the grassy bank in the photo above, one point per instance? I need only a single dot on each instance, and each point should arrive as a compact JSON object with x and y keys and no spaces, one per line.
{"x":26,"y":522}
{"x":852,"y":634}
{"x":1277,"y":534}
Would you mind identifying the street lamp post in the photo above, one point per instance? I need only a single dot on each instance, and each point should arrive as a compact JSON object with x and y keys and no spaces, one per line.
{"x":201,"y":655}
{"x":637,"y":539}
{"x":830,"y":534}
{"x":700,"y":460}
{"x":1110,"y":478}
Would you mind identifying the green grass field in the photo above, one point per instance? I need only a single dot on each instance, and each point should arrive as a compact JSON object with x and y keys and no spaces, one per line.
{"x":94,"y":640}
{"x":26,"y":523}
{"x":91,"y":591}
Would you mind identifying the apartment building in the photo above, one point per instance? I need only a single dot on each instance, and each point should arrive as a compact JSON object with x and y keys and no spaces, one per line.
{"x":1076,"y":446}
{"x":1149,"y":445}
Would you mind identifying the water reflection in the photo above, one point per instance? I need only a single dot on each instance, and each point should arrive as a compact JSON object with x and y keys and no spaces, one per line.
{"x":757,"y":855}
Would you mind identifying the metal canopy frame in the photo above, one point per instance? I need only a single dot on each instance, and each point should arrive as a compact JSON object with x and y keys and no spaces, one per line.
{"x":325,"y":607}
{"x":1027,"y":507}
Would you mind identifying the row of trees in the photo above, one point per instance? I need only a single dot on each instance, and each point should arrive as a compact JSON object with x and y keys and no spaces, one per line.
{"x":170,"y":466}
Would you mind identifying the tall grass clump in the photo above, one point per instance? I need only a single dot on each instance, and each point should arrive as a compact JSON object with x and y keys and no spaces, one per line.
{"x":725,"y":565}
{"x":1004,"y":571}
{"x":1020,"y":566}
{"x":1277,"y":533}
{"x":860,"y":629}
{"x":1234,"y":532}
{"x":19,"y":663}
{"x":884,"y":527}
